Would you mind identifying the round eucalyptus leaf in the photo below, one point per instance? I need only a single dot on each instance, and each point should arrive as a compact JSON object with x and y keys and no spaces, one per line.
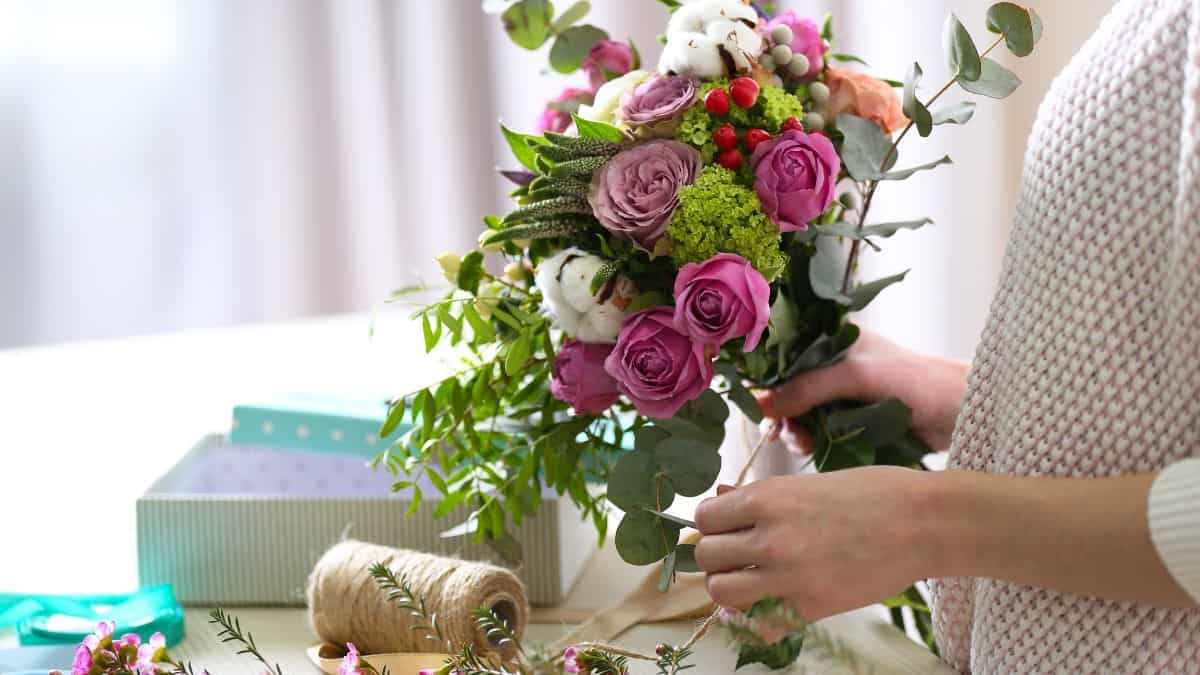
{"x":1015,"y":24}
{"x":643,"y":538}
{"x":572,"y":45}
{"x":996,"y":81}
{"x":647,"y":437}
{"x":961,"y":53}
{"x":528,"y":22}
{"x":633,"y":483}
{"x":692,"y":467}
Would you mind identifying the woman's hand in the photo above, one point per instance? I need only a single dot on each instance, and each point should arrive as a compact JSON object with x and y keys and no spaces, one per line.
{"x":876,"y":369}
{"x":825,"y":543}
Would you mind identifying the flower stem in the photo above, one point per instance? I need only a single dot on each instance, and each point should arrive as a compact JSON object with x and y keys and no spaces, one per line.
{"x":855,"y":246}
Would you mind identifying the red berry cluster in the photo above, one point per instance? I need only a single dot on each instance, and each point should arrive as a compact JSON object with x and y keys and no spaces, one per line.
{"x":744,"y":92}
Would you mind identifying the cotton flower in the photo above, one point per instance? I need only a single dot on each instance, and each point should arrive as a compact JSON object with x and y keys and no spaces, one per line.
{"x":565,"y":280}
{"x":699,"y":32}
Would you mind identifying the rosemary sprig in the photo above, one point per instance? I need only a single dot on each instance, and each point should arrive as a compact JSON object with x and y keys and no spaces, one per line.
{"x":496,"y":629}
{"x":401,"y":592}
{"x":231,"y":631}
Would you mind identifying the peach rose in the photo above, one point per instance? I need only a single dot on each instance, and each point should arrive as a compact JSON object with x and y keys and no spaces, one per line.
{"x":859,"y":94}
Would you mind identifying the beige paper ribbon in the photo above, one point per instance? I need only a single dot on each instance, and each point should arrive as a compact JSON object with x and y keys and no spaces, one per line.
{"x":328,"y":657}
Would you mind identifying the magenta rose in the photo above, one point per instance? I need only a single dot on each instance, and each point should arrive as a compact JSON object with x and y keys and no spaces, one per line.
{"x":580,"y":379}
{"x":806,"y":40}
{"x":657,"y":367}
{"x":794,"y":176}
{"x":722,"y":298}
{"x":634,"y":195}
{"x":657,"y":99}
{"x":606,"y":58}
{"x":553,"y":119}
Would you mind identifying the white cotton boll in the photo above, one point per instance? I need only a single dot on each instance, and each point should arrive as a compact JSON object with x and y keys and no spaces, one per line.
{"x":576,"y":278}
{"x":546,"y":279}
{"x":694,"y":17}
{"x":740,"y":41}
{"x":691,"y":54}
{"x":602,"y":323}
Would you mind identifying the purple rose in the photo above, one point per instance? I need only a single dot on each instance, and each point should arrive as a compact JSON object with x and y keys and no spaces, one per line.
{"x":580,"y":379}
{"x":658,"y":98}
{"x":605,"y":58}
{"x":553,"y":119}
{"x":722,"y":298}
{"x":794,"y":176}
{"x":634,"y":195}
{"x":806,"y":40}
{"x":657,"y":367}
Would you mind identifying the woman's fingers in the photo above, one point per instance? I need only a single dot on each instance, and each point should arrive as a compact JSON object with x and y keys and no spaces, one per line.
{"x":740,"y":589}
{"x":796,"y":438}
{"x":808,"y":390}
{"x":728,"y":512}
{"x":726,"y":552}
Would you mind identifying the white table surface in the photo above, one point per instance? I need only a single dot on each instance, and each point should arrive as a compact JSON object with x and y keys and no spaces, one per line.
{"x":86,"y":427}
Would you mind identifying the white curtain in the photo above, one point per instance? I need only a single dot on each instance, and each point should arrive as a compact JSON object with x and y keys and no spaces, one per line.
{"x":171,"y":165}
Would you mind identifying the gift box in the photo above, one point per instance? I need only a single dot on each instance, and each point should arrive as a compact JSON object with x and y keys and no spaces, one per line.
{"x":244,"y":525}
{"x":317,"y":422}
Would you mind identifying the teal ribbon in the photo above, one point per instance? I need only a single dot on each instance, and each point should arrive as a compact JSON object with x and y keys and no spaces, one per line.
{"x":148,"y":611}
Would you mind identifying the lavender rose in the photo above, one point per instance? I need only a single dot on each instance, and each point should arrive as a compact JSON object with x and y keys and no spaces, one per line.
{"x":606,"y":57}
{"x":722,"y":298}
{"x":794,"y":176}
{"x":579,"y":377}
{"x":657,"y":367}
{"x":659,"y":98}
{"x":806,"y":40}
{"x":634,"y":195}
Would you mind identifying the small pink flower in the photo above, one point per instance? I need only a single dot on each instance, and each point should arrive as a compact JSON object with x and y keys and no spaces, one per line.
{"x":350,"y":662}
{"x":83,"y":660}
{"x":558,"y":121}
{"x":571,"y":660}
{"x":606,"y":58}
{"x":127,"y":640}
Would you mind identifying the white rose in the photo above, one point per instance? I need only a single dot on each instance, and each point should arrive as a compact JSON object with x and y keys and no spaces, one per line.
{"x":608,"y":97}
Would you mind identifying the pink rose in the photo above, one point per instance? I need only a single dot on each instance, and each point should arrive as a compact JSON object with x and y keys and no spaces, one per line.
{"x":794,"y":176}
{"x":553,"y":119}
{"x":657,"y":367}
{"x":579,"y":377}
{"x":720,"y":299}
{"x":606,"y":58}
{"x":806,"y":40}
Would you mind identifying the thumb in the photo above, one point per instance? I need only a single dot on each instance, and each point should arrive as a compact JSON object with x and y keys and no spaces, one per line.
{"x":809,"y":390}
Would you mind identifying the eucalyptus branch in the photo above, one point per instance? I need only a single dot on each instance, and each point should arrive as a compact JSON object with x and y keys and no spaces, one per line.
{"x":231,"y":631}
{"x":855,"y":245}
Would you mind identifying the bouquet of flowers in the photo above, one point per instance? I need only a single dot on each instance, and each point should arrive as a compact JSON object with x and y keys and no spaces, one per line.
{"x":681,"y":235}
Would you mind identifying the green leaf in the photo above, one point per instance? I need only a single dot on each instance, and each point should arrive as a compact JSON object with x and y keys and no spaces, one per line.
{"x":572,"y":45}
{"x":452,"y":500}
{"x":431,"y":336}
{"x":846,"y":453}
{"x":825,"y":272}
{"x":996,"y":81}
{"x":738,"y":393}
{"x":878,"y":423}
{"x":518,"y":354}
{"x":691,"y":466}
{"x":428,"y":414}
{"x":394,"y":416}
{"x":961,"y":52}
{"x":783,"y":326}
{"x":1015,"y":24}
{"x":647,"y":437}
{"x":647,"y":300}
{"x":471,"y":271}
{"x":848,"y":58}
{"x":827,"y":28}
{"x":668,"y":573}
{"x":912,"y":106}
{"x":631,"y":483}
{"x":415,"y":505}
{"x":957,"y":113}
{"x":901,"y":174}
{"x":528,"y":22}
{"x":685,"y":558}
{"x":483,"y":330}
{"x":900,"y":600}
{"x":708,"y":411}
{"x":862,"y":295}
{"x":521,"y":147}
{"x":1036,"y":22}
{"x":597,"y":130}
{"x":825,"y":350}
{"x":865,"y":147}
{"x":852,"y":231}
{"x":643,"y":538}
{"x":776,"y":656}
{"x":572,"y":14}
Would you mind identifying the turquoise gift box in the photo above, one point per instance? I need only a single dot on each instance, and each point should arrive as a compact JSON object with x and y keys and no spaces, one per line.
{"x":320,"y":423}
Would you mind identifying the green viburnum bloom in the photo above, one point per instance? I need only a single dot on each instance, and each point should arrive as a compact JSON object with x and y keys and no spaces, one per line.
{"x":718,"y":215}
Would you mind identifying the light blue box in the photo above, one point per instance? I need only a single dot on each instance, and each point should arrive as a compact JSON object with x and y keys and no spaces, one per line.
{"x":314,"y":422}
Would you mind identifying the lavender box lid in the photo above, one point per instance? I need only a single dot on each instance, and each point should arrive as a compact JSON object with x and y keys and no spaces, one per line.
{"x":244,"y":525}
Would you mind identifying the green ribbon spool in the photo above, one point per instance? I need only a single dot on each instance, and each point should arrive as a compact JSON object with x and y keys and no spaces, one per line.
{"x":68,"y":619}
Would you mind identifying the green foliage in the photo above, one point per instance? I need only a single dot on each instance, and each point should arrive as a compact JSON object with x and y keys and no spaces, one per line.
{"x":772,"y":612}
{"x":958,"y":113}
{"x":717,"y":214}
{"x":852,"y":231}
{"x":597,"y":131}
{"x":527,"y":22}
{"x":913,"y":108}
{"x":231,"y":631}
{"x":400,"y":592}
{"x":961,"y":53}
{"x":569,"y":16}
{"x":572,"y":45}
{"x":995,"y":81}
{"x":865,"y":147}
{"x":773,"y":107}
{"x":522,"y":146}
{"x":1017,"y":24}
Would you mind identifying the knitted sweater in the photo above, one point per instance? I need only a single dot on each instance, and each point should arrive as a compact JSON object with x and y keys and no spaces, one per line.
{"x":1089,"y":364}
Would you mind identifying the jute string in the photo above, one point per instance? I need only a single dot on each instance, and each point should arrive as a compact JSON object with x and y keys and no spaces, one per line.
{"x":345,"y":605}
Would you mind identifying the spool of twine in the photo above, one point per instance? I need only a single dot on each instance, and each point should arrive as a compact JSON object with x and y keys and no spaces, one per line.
{"x":346,"y":605}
